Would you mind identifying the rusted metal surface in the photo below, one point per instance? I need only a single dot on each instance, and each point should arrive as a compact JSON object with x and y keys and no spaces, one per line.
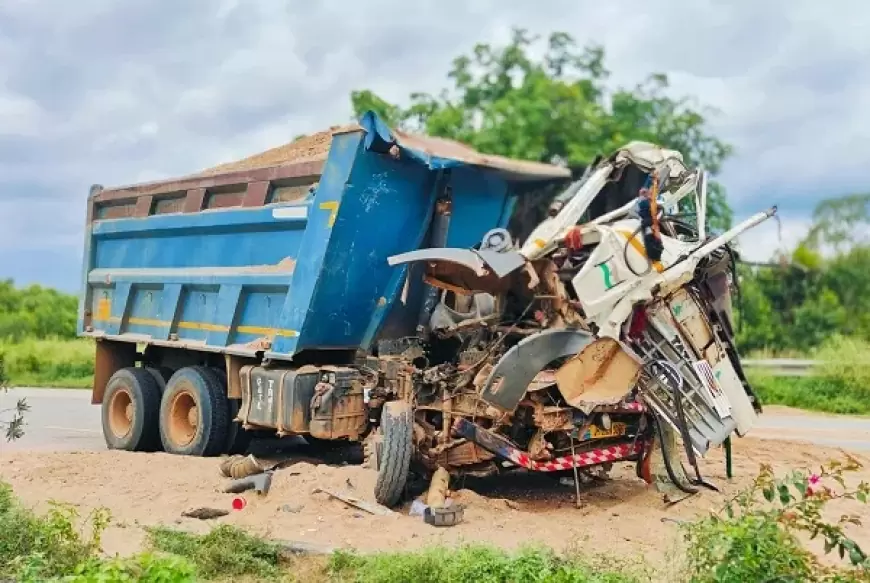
{"x":256,"y":194}
{"x":234,"y":365}
{"x":552,"y":418}
{"x":603,"y":373}
{"x":194,"y":200}
{"x":338,"y":407}
{"x":464,"y":454}
{"x":311,"y":169}
{"x":110,"y":358}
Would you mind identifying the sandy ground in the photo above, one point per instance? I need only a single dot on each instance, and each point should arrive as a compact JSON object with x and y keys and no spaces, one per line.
{"x":621,"y":516}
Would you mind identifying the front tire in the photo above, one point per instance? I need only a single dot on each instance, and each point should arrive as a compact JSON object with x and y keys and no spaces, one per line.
{"x":194,"y":413}
{"x":130,"y":409}
{"x":392,"y":452}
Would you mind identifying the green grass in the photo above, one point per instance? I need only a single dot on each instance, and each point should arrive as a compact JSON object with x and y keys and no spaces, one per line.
{"x":67,"y":363}
{"x":841,"y":384}
{"x":229,"y":553}
{"x":226,"y":551}
{"x":477,"y":564}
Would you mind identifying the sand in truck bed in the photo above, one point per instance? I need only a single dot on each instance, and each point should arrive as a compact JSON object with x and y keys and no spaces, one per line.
{"x":313,"y":147}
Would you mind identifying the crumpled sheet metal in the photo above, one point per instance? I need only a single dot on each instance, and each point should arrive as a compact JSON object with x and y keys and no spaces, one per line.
{"x":515,"y":371}
{"x":441,"y":153}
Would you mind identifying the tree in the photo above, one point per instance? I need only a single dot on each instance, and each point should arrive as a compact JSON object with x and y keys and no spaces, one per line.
{"x":840,"y":223}
{"x":822,"y":288}
{"x":35,"y":312}
{"x":556,"y":108}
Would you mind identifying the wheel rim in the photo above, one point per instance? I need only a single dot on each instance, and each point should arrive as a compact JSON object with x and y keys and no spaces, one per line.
{"x":121,"y":413}
{"x":183,"y":418}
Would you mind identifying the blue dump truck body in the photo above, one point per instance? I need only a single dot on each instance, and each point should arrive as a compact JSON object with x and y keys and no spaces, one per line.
{"x":283,"y":257}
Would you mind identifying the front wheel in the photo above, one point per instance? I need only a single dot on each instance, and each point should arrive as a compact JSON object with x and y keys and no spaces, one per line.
{"x":391,"y":452}
{"x":194,"y":413}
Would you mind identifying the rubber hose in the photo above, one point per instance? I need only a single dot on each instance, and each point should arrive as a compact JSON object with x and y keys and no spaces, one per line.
{"x":687,"y":443}
{"x":625,"y":255}
{"x":668,"y":468}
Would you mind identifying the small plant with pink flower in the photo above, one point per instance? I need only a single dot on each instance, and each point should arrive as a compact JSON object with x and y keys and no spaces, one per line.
{"x":754,"y":537}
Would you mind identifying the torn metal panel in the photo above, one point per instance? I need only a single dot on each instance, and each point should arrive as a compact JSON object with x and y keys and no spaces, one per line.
{"x":464,"y":270}
{"x":602,"y":374}
{"x":505,"y":449}
{"x":512,"y":375}
{"x":439,"y":153}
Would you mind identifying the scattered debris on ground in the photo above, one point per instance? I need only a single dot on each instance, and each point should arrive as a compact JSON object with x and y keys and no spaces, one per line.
{"x":155,"y":489}
{"x":205,"y":513}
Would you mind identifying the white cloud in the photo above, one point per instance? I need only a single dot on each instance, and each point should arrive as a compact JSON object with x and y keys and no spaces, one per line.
{"x":113,"y":93}
{"x":762,"y":242}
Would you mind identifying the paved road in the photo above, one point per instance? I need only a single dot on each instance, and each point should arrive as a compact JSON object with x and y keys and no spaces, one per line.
{"x":59,"y":419}
{"x":64,"y":419}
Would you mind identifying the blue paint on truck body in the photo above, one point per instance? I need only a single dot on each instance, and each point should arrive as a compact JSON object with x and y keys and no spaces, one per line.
{"x":308,"y":274}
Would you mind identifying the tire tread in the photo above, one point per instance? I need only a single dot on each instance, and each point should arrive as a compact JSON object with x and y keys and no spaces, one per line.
{"x":394,"y":461}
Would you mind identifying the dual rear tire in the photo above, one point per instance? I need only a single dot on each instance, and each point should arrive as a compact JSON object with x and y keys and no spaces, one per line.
{"x":187,"y":414}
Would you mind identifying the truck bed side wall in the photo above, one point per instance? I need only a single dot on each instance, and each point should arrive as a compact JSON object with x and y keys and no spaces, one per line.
{"x":279,"y":277}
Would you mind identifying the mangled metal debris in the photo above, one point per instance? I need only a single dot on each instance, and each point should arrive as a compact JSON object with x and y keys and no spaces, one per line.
{"x":599,"y":339}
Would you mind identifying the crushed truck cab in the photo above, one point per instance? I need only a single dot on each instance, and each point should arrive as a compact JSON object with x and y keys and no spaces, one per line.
{"x":361,"y":285}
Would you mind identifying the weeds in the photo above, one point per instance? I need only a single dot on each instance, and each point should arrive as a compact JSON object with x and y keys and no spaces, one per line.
{"x":840,"y":384}
{"x":39,"y":547}
{"x":472,"y":564}
{"x":11,"y":419}
{"x":49,"y":362}
{"x":755,"y":536}
{"x":226,"y":551}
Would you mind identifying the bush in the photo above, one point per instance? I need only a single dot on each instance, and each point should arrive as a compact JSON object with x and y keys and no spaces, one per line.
{"x":37,"y":548}
{"x":472,"y":564}
{"x":226,"y":551}
{"x":754,"y":537}
{"x":49,"y":362}
{"x":34,"y":547}
{"x":813,"y":393}
{"x":142,"y":568}
{"x":840,"y":384}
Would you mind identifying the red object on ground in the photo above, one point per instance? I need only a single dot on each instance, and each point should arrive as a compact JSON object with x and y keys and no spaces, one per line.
{"x":238,"y":503}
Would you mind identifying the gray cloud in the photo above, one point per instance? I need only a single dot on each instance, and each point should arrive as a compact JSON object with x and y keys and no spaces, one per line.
{"x":111,"y":92}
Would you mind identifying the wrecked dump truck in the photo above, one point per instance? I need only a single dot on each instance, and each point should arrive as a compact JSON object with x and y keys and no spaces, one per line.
{"x":362,"y":285}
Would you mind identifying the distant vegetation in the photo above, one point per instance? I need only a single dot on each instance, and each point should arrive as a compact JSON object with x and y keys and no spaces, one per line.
{"x":35,"y":312}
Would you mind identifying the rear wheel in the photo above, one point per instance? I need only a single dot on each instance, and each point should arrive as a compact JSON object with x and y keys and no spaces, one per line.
{"x":161,"y":375}
{"x":390,"y":452}
{"x":194,"y":413}
{"x":131,"y":406}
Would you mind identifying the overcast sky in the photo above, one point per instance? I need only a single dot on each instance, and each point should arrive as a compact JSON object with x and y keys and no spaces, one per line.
{"x":120,"y":91}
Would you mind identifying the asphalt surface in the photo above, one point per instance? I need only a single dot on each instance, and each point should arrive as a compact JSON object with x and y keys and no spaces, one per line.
{"x":64,"y":419}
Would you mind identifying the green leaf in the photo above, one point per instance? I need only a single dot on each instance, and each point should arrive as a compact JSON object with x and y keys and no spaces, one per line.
{"x":768,"y":493}
{"x":784,"y":494}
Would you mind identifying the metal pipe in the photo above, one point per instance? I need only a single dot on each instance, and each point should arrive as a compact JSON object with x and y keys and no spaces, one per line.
{"x":732,"y":233}
{"x":437,"y":238}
